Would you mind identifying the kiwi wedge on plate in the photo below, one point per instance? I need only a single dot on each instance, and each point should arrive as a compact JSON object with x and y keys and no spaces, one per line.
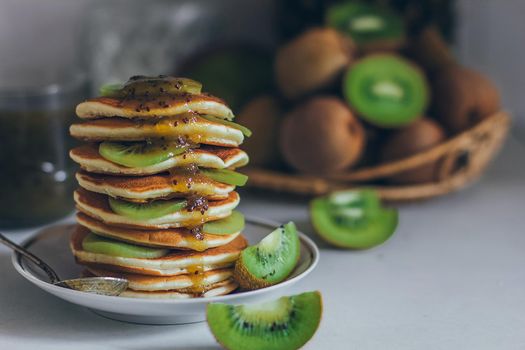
{"x":140,"y":85}
{"x":372,"y":27}
{"x":227,"y":226}
{"x":353,"y":219}
{"x":226,"y":176}
{"x":283,"y":324}
{"x":101,"y":245}
{"x":145,"y":211}
{"x":139,"y":154}
{"x":386,"y":90}
{"x":271,"y":260}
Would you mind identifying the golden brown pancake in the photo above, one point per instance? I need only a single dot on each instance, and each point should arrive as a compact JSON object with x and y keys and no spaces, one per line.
{"x":193,"y":128}
{"x":221,"y":288}
{"x":165,"y":106}
{"x":166,"y":185}
{"x":206,"y":157}
{"x":177,"y":262}
{"x":175,"y":238}
{"x":96,"y":205}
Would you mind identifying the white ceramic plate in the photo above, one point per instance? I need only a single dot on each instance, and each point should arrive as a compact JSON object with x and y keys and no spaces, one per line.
{"x":52,"y":245}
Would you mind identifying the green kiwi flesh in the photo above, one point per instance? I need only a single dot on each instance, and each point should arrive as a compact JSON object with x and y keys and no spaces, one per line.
{"x":145,"y":211}
{"x":139,"y":154}
{"x":95,"y":244}
{"x":227,"y":226}
{"x":226,"y":176}
{"x":386,"y":90}
{"x":283,"y":324}
{"x":271,"y":261}
{"x":151,"y":86}
{"x":246,"y":132}
{"x":366,"y":24}
{"x":353,"y":219}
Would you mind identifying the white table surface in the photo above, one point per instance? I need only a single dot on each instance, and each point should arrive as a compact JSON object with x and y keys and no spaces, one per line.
{"x":452,"y":277}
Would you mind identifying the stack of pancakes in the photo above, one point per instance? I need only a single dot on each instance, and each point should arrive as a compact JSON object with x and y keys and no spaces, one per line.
{"x":197,"y":263}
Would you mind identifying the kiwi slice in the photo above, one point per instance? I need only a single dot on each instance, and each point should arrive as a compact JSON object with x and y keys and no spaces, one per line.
{"x":246,"y":132}
{"x":139,"y":154}
{"x":226,"y":176}
{"x":227,"y":226}
{"x":140,"y":85}
{"x":283,"y":324}
{"x":386,"y":90}
{"x":353,"y":219}
{"x":271,"y":260}
{"x":100,"y":245}
{"x":144,"y":211}
{"x":369,"y":25}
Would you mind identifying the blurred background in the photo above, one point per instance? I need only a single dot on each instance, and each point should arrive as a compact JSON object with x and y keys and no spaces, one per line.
{"x":55,"y":53}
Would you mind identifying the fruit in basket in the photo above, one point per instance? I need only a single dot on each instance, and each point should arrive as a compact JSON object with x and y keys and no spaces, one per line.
{"x":271,"y":261}
{"x":321,"y":136}
{"x":312,"y":61}
{"x":464,"y":97}
{"x":371,"y":26}
{"x":353,"y":219}
{"x":417,"y":137}
{"x":283,"y":324}
{"x":386,"y":90}
{"x":262,"y":115}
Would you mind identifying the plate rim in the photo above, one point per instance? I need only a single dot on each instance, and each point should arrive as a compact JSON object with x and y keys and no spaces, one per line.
{"x":307,"y":241}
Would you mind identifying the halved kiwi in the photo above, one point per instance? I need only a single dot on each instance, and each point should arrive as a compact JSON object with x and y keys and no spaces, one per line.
{"x":141,"y":85}
{"x":372,"y":27}
{"x":149,"y":210}
{"x":246,"y":132}
{"x":226,"y":176}
{"x":139,"y":154}
{"x":386,"y":90}
{"x":283,"y":324}
{"x":227,"y":226}
{"x":101,"y":245}
{"x":271,"y":260}
{"x":353,"y":219}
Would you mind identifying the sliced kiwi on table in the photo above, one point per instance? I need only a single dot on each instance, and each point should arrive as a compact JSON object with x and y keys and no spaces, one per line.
{"x":246,"y":132}
{"x":101,"y":245}
{"x":227,"y":226}
{"x":283,"y":324}
{"x":353,"y":219}
{"x":151,"y":86}
{"x":271,"y":261}
{"x":226,"y":176}
{"x":386,"y":90}
{"x":370,"y":26}
{"x":140,"y":154}
{"x":148,"y":210}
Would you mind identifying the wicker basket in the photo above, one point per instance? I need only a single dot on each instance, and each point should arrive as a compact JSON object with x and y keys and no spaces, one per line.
{"x":461,"y":160}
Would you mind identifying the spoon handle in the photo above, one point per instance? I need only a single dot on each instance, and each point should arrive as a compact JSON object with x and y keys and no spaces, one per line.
{"x":33,"y":258}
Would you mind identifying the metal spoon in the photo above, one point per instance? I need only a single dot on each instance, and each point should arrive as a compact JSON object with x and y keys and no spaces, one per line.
{"x":97,"y":285}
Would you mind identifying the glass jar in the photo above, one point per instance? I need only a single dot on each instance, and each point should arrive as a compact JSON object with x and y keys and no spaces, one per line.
{"x":36,"y":174}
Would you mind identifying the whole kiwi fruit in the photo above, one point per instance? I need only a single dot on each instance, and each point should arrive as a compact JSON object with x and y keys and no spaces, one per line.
{"x":321,"y":135}
{"x":463,"y":97}
{"x":263,"y":116}
{"x":417,"y":137}
{"x":312,"y":61}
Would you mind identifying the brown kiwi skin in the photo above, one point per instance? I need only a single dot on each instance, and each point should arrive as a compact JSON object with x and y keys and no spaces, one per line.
{"x":263,"y":116}
{"x":312,"y":61}
{"x":419,"y":136}
{"x":321,"y":136}
{"x":463,"y":97}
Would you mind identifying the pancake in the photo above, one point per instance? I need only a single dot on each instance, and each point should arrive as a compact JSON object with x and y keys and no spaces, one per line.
{"x":177,"y":262}
{"x":164,"y":106}
{"x":191,"y":283}
{"x":167,"y":185}
{"x":96,"y":205}
{"x":206,"y":157}
{"x":175,"y":238}
{"x":193,"y":128}
{"x":218,"y":289}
